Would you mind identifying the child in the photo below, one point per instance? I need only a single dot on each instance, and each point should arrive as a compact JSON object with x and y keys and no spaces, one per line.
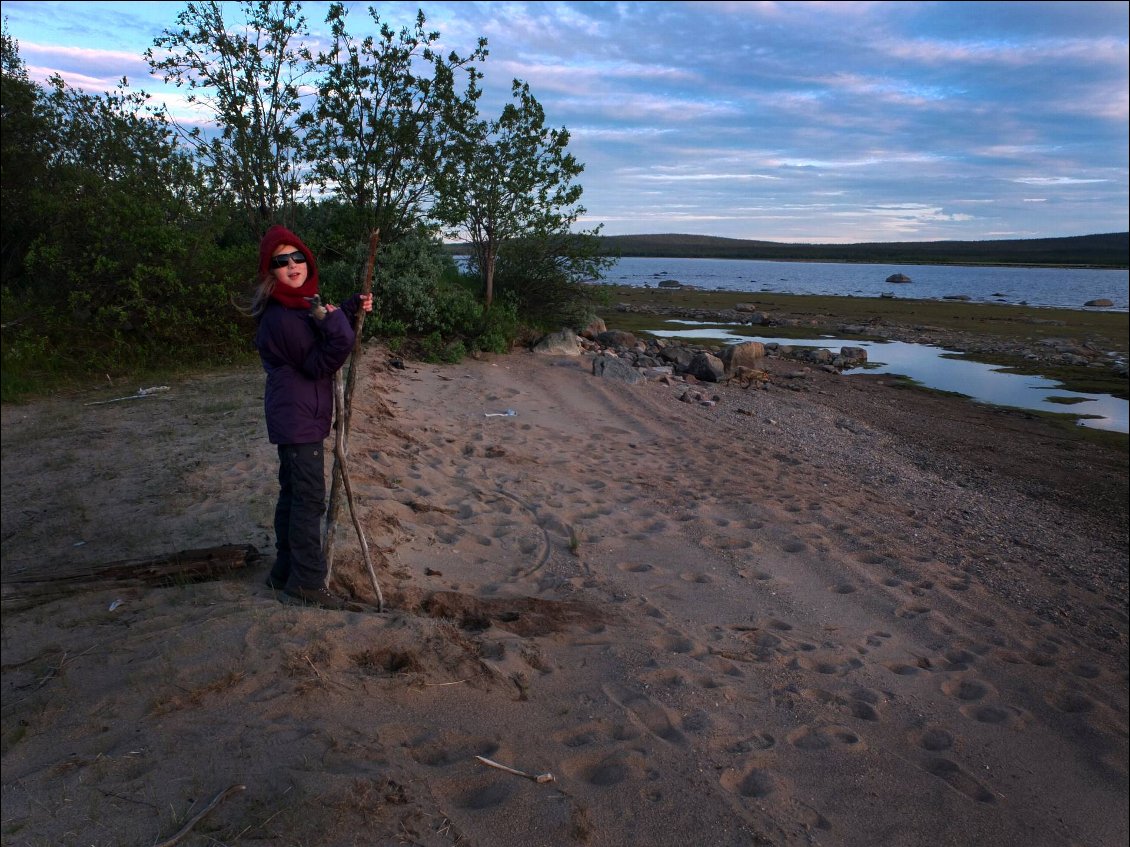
{"x":301,"y":349}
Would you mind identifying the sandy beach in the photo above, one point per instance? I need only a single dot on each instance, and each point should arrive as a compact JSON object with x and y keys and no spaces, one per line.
{"x":833,"y":612}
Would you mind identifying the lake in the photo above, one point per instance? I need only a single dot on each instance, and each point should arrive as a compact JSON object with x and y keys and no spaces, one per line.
{"x":1066,"y":288}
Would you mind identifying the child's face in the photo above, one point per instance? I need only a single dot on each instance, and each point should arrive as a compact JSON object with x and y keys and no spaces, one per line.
{"x":292,"y":274}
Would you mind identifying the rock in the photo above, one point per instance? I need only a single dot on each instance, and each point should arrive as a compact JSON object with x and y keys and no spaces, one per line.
{"x":610,"y":367}
{"x":594,"y":329}
{"x":706,"y":367}
{"x":745,"y":354}
{"x":560,"y":343}
{"x":679,"y":357}
{"x":957,"y":297}
{"x":898,"y":278}
{"x":616,"y":338}
{"x":1102,"y":303}
{"x":670,"y":283}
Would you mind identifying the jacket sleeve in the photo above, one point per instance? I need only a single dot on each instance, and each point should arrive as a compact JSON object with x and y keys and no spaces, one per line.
{"x":350,"y":308}
{"x":332,"y":348}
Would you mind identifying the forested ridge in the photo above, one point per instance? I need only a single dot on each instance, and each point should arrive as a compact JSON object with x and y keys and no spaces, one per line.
{"x":1109,"y":250}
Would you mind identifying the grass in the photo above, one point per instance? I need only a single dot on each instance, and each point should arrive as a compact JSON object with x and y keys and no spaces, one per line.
{"x":1108,"y":331}
{"x":1016,"y":323}
{"x":23,"y":380}
{"x":1069,"y":423}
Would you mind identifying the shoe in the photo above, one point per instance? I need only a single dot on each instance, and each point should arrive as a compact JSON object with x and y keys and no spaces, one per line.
{"x":275,"y":584}
{"x":320,"y":597}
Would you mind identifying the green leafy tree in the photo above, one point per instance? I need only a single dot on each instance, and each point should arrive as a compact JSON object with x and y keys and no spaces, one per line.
{"x":379,"y":125}
{"x":549,"y":277}
{"x":507,"y":179}
{"x":247,"y":76}
{"x":24,"y":139}
{"x":121,"y":211}
{"x":113,"y":266}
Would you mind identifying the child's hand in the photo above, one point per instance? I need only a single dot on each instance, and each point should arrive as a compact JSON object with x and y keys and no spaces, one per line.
{"x":366,"y":302}
{"x":317,"y":308}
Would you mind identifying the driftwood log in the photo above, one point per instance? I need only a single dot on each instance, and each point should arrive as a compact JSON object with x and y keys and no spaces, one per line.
{"x":32,"y":587}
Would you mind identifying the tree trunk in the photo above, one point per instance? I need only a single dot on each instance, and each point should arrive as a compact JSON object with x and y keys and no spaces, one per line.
{"x":33,"y":587}
{"x":488,"y":278}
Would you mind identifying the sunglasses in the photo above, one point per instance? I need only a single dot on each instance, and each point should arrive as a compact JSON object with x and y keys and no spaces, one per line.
{"x":281,"y":260}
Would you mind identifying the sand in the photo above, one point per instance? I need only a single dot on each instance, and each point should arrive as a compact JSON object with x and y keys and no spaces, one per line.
{"x":834,"y":612}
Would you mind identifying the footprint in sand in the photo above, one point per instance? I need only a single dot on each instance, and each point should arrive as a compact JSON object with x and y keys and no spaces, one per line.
{"x":487,"y":797}
{"x":754,"y":781}
{"x":649,"y":714}
{"x":814,"y":738}
{"x":827,"y":663}
{"x":635,"y":567}
{"x":990,"y":714}
{"x":959,"y":780}
{"x":696,"y":577}
{"x":603,"y":770}
{"x":441,"y":750}
{"x":1071,"y":701}
{"x":902,"y":669}
{"x":966,"y":689}
{"x":934,"y":739}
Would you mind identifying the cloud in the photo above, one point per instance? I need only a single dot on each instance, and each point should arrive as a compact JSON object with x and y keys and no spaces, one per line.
{"x":1054,"y":180}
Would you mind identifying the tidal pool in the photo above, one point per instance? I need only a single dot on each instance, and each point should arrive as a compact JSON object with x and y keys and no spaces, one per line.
{"x":933,"y":367}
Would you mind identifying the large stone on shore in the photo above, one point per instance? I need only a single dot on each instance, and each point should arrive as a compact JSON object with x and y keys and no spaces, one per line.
{"x":746,"y":354}
{"x":610,"y":367}
{"x":616,"y":338}
{"x":595,"y":327}
{"x":670,"y":283}
{"x":898,"y":278}
{"x":679,"y":356}
{"x":1102,"y":302}
{"x":706,"y":367}
{"x":850,"y":357}
{"x":560,"y":343}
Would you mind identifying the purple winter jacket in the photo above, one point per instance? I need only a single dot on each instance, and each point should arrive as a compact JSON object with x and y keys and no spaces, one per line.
{"x":300,"y":359}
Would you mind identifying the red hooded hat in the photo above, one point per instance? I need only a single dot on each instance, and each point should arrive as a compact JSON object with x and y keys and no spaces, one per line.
{"x":292,"y":298}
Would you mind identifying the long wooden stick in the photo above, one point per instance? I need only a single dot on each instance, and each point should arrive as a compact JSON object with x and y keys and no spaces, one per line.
{"x":338,"y":483}
{"x":343,"y":472}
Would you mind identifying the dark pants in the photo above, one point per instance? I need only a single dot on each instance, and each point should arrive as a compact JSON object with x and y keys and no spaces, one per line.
{"x":298,"y":516}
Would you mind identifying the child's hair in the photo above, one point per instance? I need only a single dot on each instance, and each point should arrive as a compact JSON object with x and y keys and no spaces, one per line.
{"x":262,"y":295}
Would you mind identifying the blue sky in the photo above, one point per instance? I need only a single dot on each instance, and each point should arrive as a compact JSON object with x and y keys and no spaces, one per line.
{"x":815,"y":122}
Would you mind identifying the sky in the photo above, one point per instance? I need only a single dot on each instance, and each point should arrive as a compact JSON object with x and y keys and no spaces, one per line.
{"x":812,"y":122}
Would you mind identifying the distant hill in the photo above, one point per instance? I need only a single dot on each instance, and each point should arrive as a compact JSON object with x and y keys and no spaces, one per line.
{"x":1110,"y":250}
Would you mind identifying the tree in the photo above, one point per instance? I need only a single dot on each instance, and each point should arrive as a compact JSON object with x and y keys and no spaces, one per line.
{"x":24,"y":137}
{"x":378,"y":126}
{"x":109,"y":263}
{"x":506,"y":179}
{"x":549,"y":277}
{"x":248,"y":78}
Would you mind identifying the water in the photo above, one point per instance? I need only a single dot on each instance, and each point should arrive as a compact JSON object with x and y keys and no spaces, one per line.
{"x":1060,"y":287}
{"x":983,"y":383}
